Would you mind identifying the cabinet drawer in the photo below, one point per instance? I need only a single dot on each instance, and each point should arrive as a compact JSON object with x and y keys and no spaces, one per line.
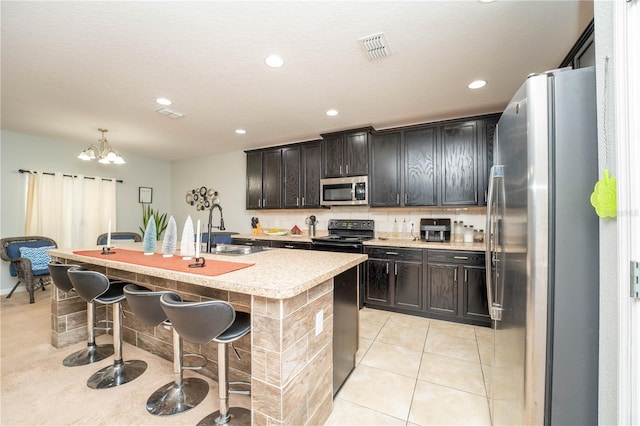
{"x":291,"y":245}
{"x":454,"y":256}
{"x":393,"y":253}
{"x":251,"y":242}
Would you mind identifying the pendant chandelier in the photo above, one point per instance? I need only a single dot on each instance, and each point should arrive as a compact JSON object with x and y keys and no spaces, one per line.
{"x":104,"y":152}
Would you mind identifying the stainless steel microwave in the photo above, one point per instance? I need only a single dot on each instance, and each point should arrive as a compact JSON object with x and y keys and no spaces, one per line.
{"x":344,"y":191}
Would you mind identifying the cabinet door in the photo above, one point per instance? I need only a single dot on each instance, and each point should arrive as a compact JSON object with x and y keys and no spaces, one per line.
{"x":254,"y":180}
{"x":271,"y":179}
{"x":408,"y":285}
{"x":291,"y":177}
{"x":384,"y":179}
{"x":442,"y":288}
{"x":489,"y":134}
{"x":332,"y":156}
{"x":420,"y":167}
{"x":377,"y":289}
{"x":459,"y":163}
{"x":475,"y":293}
{"x":357,"y":154}
{"x":311,"y":167}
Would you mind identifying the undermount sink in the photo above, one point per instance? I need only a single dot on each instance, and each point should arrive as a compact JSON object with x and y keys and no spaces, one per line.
{"x":237,"y":250}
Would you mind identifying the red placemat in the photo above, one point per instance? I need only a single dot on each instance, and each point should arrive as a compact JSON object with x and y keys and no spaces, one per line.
{"x":174,"y":263}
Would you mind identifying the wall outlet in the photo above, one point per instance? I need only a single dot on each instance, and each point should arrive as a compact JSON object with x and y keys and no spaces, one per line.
{"x":319,"y":321}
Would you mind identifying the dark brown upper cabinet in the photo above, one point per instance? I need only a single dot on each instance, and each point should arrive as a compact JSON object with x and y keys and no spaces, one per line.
{"x":264,"y":177}
{"x":435,"y":164}
{"x":345,"y":153}
{"x":459,"y":164}
{"x":301,"y":164}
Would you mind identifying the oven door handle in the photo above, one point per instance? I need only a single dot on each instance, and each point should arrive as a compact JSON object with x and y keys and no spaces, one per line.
{"x":354,"y":246}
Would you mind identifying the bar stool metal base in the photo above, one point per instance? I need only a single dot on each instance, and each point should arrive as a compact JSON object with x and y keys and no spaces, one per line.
{"x":117,"y":374}
{"x":238,"y":416}
{"x":88,"y":355}
{"x":173,"y":398}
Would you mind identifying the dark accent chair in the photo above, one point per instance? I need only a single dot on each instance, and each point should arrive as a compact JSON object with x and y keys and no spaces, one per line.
{"x":128,"y":236}
{"x":22,"y":267}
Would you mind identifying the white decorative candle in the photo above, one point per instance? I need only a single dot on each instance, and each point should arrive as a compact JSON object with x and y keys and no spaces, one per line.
{"x":198,"y":240}
{"x":109,"y":234}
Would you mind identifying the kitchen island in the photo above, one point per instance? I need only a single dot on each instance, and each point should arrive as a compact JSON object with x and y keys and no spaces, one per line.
{"x":289,"y":293}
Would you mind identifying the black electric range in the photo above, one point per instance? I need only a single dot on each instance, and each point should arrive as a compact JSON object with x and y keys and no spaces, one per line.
{"x":345,"y":235}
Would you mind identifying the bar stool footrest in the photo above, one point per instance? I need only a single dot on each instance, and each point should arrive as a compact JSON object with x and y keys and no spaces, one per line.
{"x":240,"y":388}
{"x":194,"y":367}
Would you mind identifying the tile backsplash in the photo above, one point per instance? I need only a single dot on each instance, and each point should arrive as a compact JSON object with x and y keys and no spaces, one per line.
{"x":384,"y":218}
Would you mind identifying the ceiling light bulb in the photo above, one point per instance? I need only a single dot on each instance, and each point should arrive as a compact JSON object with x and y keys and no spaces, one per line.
{"x":332,"y":112}
{"x":163,"y":101}
{"x":274,"y":61}
{"x":477,"y":84}
{"x":119,"y":160}
{"x":241,"y":131}
{"x":103,"y":160}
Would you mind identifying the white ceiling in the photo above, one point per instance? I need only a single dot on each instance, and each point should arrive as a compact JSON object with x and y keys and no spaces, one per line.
{"x":69,"y":68}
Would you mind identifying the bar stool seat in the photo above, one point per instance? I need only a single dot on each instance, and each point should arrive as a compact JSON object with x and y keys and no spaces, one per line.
{"x":181,"y":394}
{"x":201,"y":323}
{"x":94,"y":286}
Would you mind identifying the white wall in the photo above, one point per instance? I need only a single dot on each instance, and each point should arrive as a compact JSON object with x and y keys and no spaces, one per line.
{"x":225,"y":173}
{"x":609,"y":326}
{"x":20,"y":151}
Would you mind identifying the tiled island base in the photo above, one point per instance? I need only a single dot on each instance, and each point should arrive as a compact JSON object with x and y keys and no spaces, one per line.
{"x":290,"y":367}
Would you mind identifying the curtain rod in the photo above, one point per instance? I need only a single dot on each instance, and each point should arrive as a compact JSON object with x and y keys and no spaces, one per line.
{"x":53,"y":174}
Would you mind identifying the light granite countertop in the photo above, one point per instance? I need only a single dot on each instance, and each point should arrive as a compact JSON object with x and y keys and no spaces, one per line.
{"x":276,"y":273}
{"x":387,"y":242}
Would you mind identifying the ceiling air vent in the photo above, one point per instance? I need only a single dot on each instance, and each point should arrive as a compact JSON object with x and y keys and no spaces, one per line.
{"x":376,"y":45}
{"x":171,"y":113}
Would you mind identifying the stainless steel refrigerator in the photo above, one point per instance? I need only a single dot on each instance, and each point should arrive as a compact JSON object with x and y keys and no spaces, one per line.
{"x":542,"y":254}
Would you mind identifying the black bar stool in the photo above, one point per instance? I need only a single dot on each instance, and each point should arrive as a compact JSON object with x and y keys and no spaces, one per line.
{"x":203,"y":322}
{"x":181,"y":394}
{"x":92,"y":353}
{"x":94,"y":286}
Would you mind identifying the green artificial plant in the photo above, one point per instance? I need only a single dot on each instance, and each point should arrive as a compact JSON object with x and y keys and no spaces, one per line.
{"x":160,"y":219}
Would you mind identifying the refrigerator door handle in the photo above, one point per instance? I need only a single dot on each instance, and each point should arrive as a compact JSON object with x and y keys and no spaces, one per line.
{"x":495,"y":309}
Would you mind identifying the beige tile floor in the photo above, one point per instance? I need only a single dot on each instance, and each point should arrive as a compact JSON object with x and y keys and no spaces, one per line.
{"x":415,"y":371}
{"x":410,"y":371}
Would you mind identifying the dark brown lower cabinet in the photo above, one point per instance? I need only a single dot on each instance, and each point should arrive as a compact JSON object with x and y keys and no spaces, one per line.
{"x":394,"y":278}
{"x":441,"y":284}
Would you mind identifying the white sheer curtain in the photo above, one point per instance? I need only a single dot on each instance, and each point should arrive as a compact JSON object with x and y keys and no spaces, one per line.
{"x":71,"y":210}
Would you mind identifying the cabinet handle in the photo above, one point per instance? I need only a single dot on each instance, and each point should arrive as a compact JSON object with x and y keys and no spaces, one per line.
{"x":391,"y":253}
{"x":476,"y":196}
{"x":340,"y":169}
{"x":387,"y":264}
{"x":406,"y":198}
{"x":397,"y":198}
{"x":290,"y":246}
{"x":461,"y":257}
{"x":297,"y":202}
{"x":395,"y":269}
{"x":248,"y":243}
{"x":259,"y":202}
{"x":455,"y":276}
{"x":264,"y":202}
{"x":303,"y":202}
{"x":347,"y":169}
{"x":466,"y":280}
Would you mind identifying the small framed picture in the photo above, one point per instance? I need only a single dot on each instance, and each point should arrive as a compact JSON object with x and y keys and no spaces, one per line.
{"x":145,"y":195}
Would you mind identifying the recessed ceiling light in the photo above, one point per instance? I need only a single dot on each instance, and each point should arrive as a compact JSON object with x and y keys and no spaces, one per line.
{"x":332,"y":112}
{"x":241,"y":131}
{"x":163,"y":101}
{"x":274,"y":61}
{"x":477,"y":84}
{"x":486,"y":1}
